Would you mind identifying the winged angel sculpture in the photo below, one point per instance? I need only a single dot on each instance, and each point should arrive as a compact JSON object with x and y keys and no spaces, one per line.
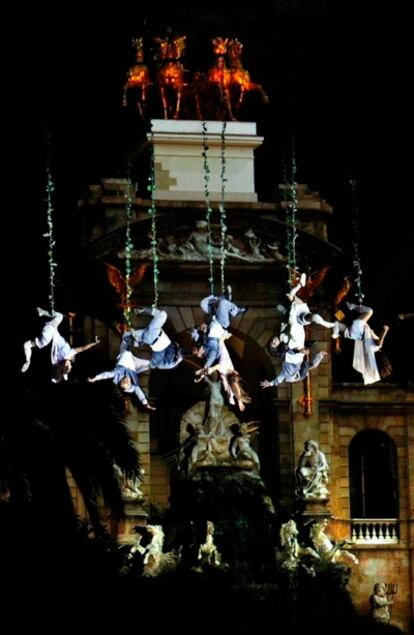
{"x":119,"y":282}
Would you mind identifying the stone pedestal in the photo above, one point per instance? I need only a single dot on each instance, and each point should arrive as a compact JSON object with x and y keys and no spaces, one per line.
{"x":316,"y":508}
{"x":179,"y":162}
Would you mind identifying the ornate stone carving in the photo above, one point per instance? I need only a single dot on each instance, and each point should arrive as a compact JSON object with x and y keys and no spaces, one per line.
{"x":312,"y":473}
{"x":240,"y":449}
{"x":292,"y":550}
{"x":215,"y":439}
{"x":154,"y":561}
{"x":248,"y":247}
{"x":327,"y":548}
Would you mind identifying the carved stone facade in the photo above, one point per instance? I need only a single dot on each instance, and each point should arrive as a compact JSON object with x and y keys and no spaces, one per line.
{"x":339,"y":412}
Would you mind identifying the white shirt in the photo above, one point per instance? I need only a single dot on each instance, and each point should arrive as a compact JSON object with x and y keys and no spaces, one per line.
{"x":161,"y":343}
{"x":215,"y":329}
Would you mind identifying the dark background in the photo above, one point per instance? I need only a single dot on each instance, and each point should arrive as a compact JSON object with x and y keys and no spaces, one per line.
{"x":337,"y":74}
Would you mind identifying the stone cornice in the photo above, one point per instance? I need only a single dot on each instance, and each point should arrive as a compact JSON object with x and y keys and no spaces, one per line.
{"x":367,"y":407}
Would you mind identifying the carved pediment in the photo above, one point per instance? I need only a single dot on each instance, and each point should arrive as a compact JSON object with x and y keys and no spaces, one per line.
{"x":194,"y":245}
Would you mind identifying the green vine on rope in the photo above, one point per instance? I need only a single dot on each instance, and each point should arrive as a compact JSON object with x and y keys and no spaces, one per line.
{"x":291,"y":195}
{"x":208,"y":206}
{"x":223,"y":226}
{"x":355,"y":242}
{"x":153,"y":213}
{"x":129,"y":246}
{"x":49,"y":234}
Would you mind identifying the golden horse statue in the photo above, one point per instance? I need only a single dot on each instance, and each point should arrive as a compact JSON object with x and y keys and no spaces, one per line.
{"x":138,"y":76}
{"x":170,"y":75}
{"x":240,"y":77}
{"x":220,"y":75}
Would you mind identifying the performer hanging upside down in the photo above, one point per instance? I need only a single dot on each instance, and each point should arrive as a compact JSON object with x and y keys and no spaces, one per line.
{"x":165,"y":353}
{"x":230,"y":378}
{"x":222,"y":307}
{"x":62,"y":353}
{"x":207,"y":338}
{"x":295,"y":367}
{"x":126,"y":375}
{"x":367,"y":343}
{"x":293,"y":331}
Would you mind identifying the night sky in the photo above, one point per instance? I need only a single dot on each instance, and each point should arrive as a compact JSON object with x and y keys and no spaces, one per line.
{"x":337,"y":74}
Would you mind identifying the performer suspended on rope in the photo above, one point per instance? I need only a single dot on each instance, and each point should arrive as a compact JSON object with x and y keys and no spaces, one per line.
{"x":230,"y":378}
{"x":292,"y":335}
{"x":207,"y":338}
{"x":165,"y":353}
{"x":367,"y":343}
{"x":222,"y":307}
{"x":295,"y":367}
{"x":126,"y":375}
{"x":62,"y":353}
{"x":210,"y":343}
{"x":291,"y":342}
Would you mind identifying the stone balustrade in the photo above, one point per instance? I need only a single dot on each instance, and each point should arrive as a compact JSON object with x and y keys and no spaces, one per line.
{"x":375,"y":531}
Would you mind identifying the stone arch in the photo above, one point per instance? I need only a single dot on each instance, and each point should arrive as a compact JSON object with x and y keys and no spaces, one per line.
{"x":175,"y":391}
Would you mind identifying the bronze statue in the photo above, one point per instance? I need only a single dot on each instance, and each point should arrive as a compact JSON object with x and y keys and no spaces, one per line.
{"x":138,"y":77}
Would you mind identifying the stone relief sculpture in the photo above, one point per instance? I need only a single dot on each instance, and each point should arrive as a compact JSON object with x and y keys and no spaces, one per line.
{"x":253,"y":242}
{"x":215,"y":438}
{"x":273,"y":250}
{"x":312,"y":473}
{"x":248,"y":247}
{"x":198,"y":240}
{"x":234,"y":247}
{"x":326,"y":548}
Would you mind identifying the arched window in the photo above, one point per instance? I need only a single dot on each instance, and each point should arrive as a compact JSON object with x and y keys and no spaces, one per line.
{"x":373,"y":474}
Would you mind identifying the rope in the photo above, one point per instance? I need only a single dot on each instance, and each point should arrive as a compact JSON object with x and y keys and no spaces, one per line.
{"x":223,"y":226}
{"x":291,"y":210}
{"x":208,"y":207}
{"x":49,"y":234}
{"x":128,"y":249}
{"x":153,"y":213}
{"x":356,"y":261}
